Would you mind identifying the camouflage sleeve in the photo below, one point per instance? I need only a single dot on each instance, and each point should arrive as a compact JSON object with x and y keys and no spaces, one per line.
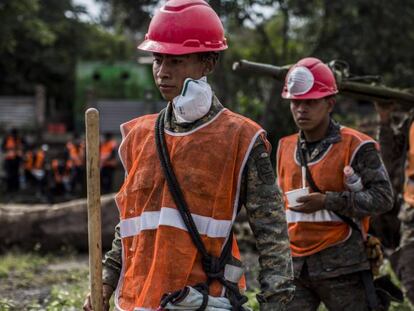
{"x":112,"y":262}
{"x":375,"y":198}
{"x":265,"y":211}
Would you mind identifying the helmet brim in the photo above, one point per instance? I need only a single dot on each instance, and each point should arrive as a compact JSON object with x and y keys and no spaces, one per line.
{"x":309,"y":95}
{"x":175,"y":48}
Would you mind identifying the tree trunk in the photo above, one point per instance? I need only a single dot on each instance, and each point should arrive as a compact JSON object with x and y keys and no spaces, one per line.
{"x":52,"y":227}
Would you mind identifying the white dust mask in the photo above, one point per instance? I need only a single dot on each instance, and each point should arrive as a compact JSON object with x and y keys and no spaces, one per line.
{"x":194,"y":101}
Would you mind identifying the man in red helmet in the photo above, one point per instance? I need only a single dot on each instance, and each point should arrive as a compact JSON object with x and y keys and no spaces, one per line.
{"x":333,"y":179}
{"x":221,"y":162}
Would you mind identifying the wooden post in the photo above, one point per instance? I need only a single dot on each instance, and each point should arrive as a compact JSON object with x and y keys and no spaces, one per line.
{"x":94,"y":207}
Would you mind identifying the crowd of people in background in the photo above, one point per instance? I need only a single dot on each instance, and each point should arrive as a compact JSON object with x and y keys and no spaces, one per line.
{"x":53,"y":175}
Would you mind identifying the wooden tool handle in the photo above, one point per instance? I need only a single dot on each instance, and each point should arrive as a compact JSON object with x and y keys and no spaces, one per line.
{"x":94,"y":207}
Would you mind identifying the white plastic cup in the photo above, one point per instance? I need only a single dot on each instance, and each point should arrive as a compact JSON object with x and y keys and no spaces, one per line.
{"x":292,"y":196}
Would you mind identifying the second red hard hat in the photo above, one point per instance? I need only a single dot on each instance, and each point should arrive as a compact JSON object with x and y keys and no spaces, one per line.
{"x":309,"y":78}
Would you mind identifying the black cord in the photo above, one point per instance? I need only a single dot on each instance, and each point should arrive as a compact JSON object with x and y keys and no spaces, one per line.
{"x":173,"y":186}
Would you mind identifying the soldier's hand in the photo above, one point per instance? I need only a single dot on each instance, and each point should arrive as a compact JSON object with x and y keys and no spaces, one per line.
{"x":311,"y":203}
{"x":384,"y":111}
{"x":106,"y":295}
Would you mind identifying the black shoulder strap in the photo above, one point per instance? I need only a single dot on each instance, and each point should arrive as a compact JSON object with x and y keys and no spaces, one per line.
{"x":315,"y":188}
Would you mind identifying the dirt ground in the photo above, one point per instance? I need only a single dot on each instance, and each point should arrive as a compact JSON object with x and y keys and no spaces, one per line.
{"x":42,"y":282}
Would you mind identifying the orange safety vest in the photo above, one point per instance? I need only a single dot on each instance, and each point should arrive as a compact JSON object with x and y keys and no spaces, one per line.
{"x":39,"y":159}
{"x":106,"y":151}
{"x":157,"y":251}
{"x":76,"y":153}
{"x":28,"y":163}
{"x":409,"y":170}
{"x":311,"y":233}
{"x":13,"y":147}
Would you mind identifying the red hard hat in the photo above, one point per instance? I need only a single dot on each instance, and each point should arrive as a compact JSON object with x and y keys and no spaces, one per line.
{"x":184,"y":27}
{"x":309,"y":79}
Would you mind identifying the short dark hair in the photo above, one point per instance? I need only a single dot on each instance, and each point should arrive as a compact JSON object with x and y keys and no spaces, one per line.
{"x":205,"y":56}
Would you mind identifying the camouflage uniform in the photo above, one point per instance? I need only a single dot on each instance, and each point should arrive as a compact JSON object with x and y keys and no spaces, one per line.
{"x":332,"y":276}
{"x":393,"y":137}
{"x":264,"y":205}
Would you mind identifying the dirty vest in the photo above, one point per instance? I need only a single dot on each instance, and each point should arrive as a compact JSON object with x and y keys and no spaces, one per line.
{"x":157,"y":251}
{"x":409,"y":170}
{"x":311,"y":233}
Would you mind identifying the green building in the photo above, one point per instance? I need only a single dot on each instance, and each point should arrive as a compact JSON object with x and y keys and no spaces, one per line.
{"x":120,"y":91}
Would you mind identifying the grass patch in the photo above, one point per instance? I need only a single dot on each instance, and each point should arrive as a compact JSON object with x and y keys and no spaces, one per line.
{"x":21,"y":263}
{"x":32,"y":282}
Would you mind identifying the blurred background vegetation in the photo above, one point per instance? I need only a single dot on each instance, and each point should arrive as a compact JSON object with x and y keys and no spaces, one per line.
{"x":43,"y":40}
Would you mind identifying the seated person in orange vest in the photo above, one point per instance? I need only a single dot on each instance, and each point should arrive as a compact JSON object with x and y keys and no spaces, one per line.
{"x":328,"y":250}
{"x":221,"y":161}
{"x":108,"y":162}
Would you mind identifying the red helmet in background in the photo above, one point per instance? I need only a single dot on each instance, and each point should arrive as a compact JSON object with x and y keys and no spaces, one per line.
{"x":184,"y":27}
{"x":309,"y":79}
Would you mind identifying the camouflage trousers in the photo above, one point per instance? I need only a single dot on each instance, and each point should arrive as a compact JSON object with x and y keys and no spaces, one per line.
{"x":342,"y":293}
{"x":402,"y":260}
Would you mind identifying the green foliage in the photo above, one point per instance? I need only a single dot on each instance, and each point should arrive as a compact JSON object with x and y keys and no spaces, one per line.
{"x":6,"y":304}
{"x":67,"y":298}
{"x":13,"y":263}
{"x":252,"y":107}
{"x":42,"y":40}
{"x":252,"y":303}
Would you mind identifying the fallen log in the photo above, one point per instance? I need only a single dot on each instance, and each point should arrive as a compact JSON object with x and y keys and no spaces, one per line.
{"x":53,"y":227}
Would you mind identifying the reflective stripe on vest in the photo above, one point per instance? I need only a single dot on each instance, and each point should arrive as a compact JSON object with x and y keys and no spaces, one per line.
{"x":214,"y":228}
{"x":313,"y":232}
{"x":158,"y":253}
{"x":319,"y":216}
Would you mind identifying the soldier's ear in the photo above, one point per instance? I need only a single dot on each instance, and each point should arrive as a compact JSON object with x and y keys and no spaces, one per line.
{"x":330,"y":101}
{"x":209,"y":65}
